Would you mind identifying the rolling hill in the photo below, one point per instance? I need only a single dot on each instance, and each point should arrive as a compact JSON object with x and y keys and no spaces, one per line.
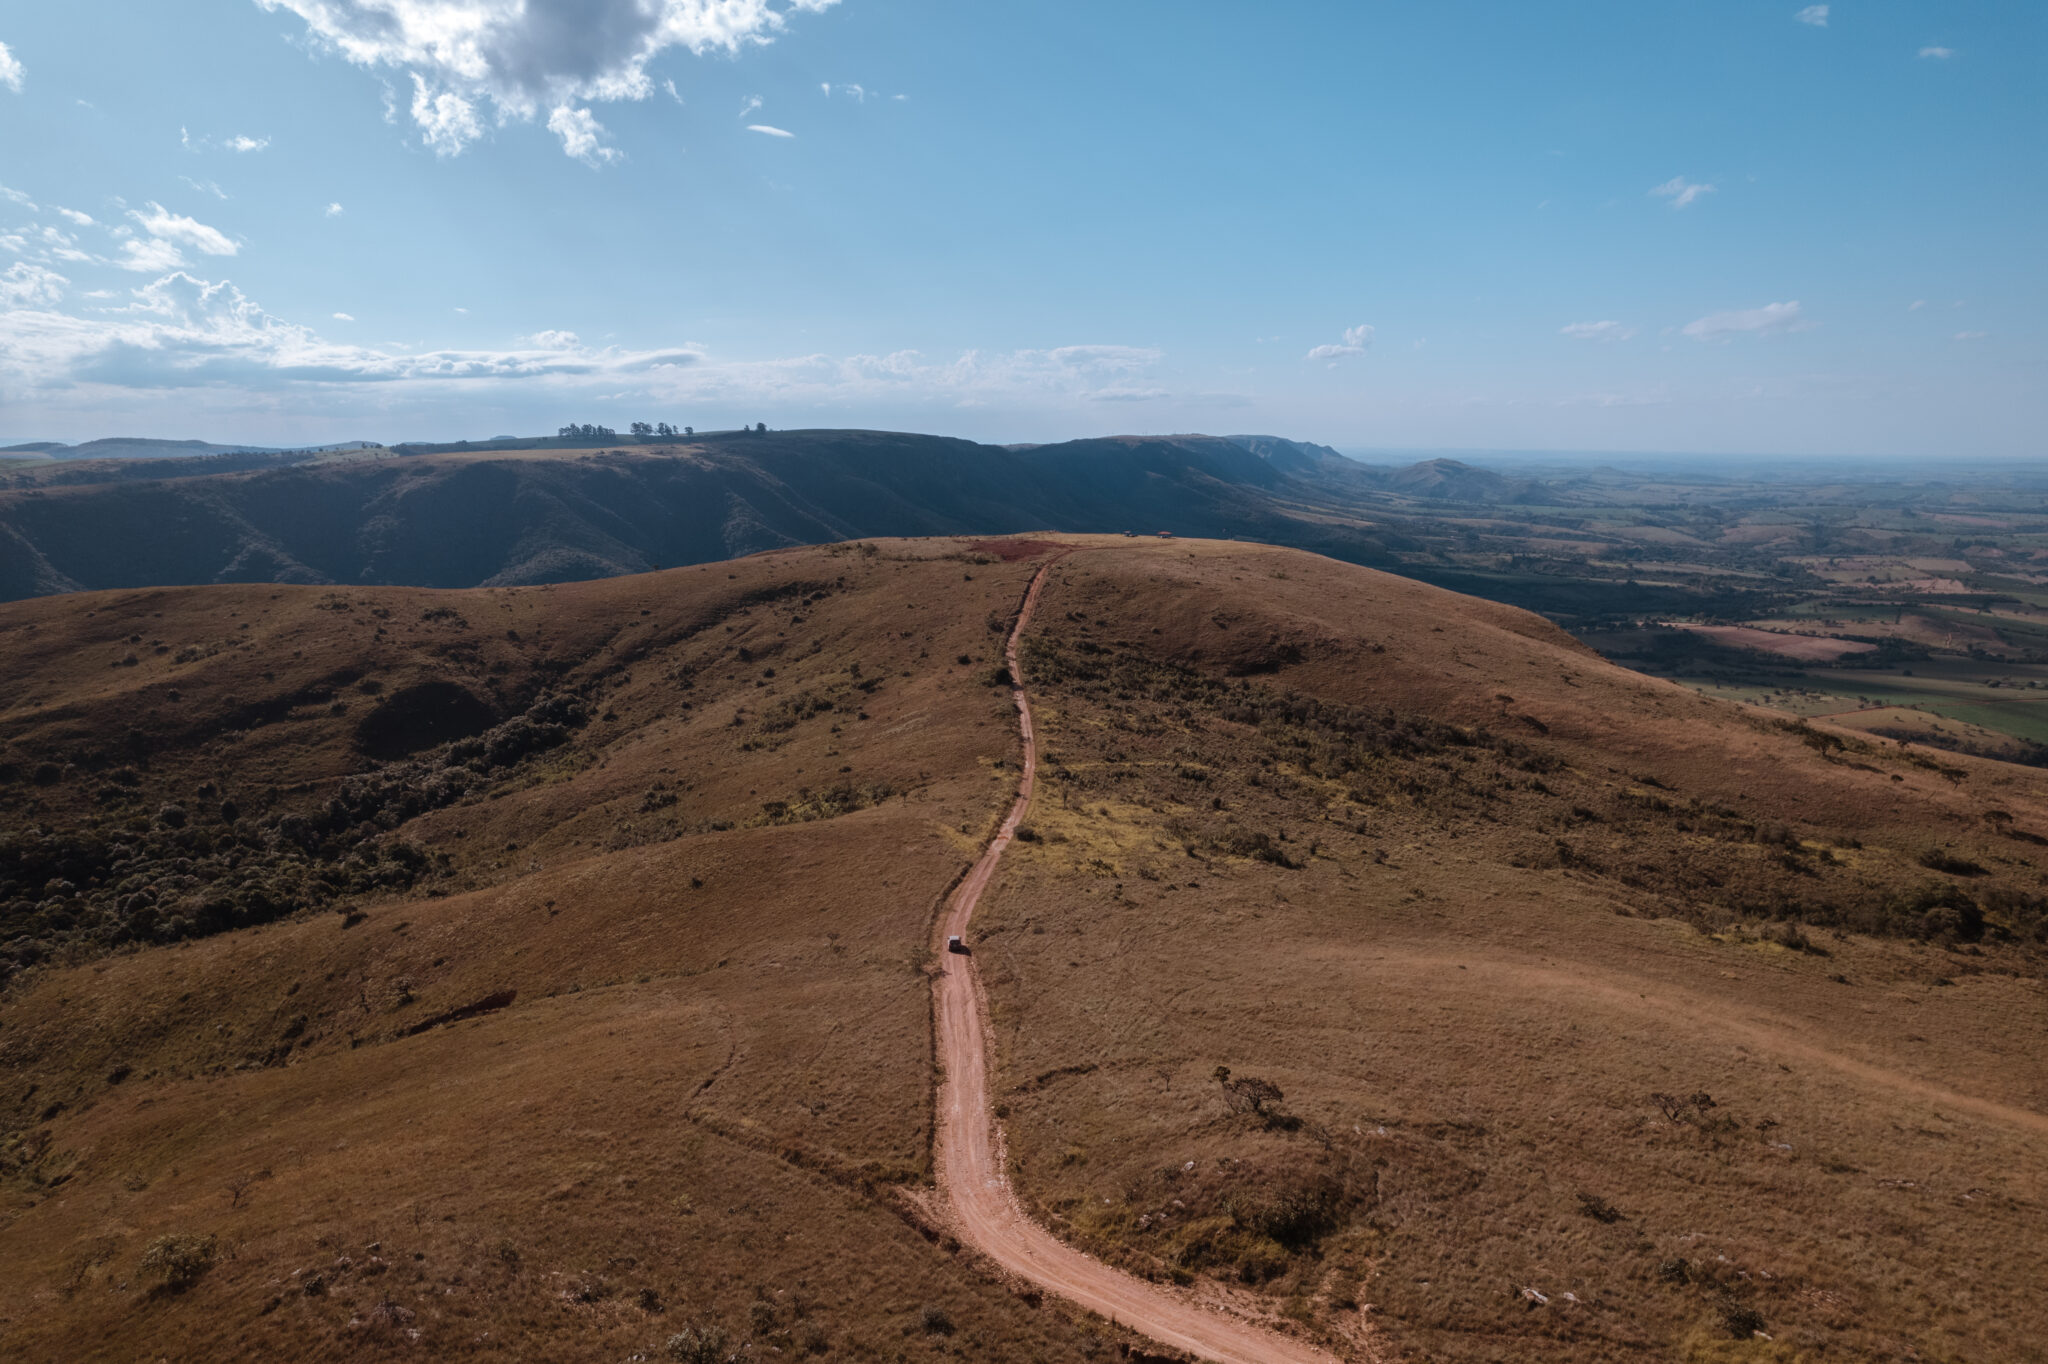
{"x":542,"y":971}
{"x":452,"y":516}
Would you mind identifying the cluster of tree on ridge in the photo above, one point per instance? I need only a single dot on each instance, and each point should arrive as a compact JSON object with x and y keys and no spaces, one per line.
{"x":596,"y":432}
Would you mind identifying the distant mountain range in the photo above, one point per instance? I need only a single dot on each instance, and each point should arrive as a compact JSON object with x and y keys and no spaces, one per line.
{"x":551,"y":509}
{"x":142,"y":447}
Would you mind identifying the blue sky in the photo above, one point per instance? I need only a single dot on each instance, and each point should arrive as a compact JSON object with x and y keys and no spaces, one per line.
{"x":1704,"y":226}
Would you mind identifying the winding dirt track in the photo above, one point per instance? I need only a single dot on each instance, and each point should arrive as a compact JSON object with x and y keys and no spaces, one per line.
{"x":972,"y":1175}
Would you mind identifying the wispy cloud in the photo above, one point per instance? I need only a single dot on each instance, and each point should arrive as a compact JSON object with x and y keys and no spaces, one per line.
{"x":464,"y":55}
{"x":12,"y":73}
{"x":149,"y":255}
{"x":857,"y":93}
{"x":447,"y":122}
{"x":15,"y":196}
{"x":343,"y":317}
{"x":73,"y":216}
{"x":582,"y":136}
{"x":205,"y":187}
{"x":1598,"y":331}
{"x":1357,"y":340}
{"x":180,"y":332}
{"x":1916,"y":305}
{"x":1680,"y":191}
{"x":245,"y":143}
{"x":333,"y":211}
{"x":769,"y":129}
{"x":1816,"y":15}
{"x":1971,"y":336}
{"x":161,"y":223}
{"x":1773,"y":319}
{"x":26,"y":285}
{"x":1940,"y":54}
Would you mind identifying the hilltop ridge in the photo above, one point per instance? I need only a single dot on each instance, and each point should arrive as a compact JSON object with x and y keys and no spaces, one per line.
{"x":548,"y":968}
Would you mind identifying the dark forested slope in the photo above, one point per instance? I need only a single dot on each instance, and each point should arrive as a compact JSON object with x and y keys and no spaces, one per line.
{"x":448,"y":518}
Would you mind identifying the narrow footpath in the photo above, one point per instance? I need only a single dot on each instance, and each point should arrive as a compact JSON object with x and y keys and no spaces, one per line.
{"x":973,"y":1178}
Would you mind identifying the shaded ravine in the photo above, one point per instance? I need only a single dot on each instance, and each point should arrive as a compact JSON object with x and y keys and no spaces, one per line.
{"x":973,"y":1179}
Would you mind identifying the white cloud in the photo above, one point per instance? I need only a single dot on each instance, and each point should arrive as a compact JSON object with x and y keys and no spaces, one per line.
{"x":1598,"y":331}
{"x":149,"y":255}
{"x":749,"y":105}
{"x":525,"y":58}
{"x":1773,"y":319}
{"x":15,"y":196}
{"x":245,"y":143}
{"x":1940,"y":54}
{"x":1356,"y":342}
{"x":343,"y":317}
{"x":582,"y":135}
{"x":161,"y":223}
{"x":23,"y":285}
{"x":446,"y":120}
{"x":553,"y":340}
{"x":72,"y":215}
{"x":181,"y":332}
{"x":12,"y":73}
{"x":332,"y":211}
{"x":1817,"y":15}
{"x":771,"y":131}
{"x":1971,"y":336}
{"x":205,"y":187}
{"x":1680,"y":191}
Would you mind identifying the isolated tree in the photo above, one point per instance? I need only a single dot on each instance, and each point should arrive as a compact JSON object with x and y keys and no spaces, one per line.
{"x":761,"y":426}
{"x":689,"y":430}
{"x":641,"y":429}
{"x":1247,"y":1093}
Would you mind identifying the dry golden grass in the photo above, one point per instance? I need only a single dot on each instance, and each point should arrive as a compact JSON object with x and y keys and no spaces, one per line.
{"x":711,"y":1080}
{"x":1471,"y":1045}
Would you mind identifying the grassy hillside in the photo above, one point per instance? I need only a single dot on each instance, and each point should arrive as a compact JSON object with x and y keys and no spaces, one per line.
{"x":535,"y":972}
{"x":520,"y":517}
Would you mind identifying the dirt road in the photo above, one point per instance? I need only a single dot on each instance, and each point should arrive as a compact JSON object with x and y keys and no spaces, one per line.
{"x":973,"y":1178}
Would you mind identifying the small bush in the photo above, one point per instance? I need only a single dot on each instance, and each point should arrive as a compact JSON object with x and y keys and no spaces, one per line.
{"x":1941,"y":859}
{"x":1741,"y":1322}
{"x":178,"y":1262}
{"x":1598,"y":1208}
{"x":935,"y":1321}
{"x":698,"y":1345}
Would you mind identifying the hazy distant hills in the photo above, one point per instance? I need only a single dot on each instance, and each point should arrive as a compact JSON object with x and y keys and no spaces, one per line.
{"x":465,"y":516}
{"x":139,"y":447}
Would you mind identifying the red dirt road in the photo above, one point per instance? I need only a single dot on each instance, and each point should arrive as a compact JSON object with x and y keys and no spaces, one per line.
{"x":973,"y":1178}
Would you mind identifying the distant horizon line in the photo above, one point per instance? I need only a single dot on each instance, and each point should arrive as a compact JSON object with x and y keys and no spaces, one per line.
{"x":1513,"y":454}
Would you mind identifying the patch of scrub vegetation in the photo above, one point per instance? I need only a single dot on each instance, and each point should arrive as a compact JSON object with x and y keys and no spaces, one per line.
{"x":186,"y":871}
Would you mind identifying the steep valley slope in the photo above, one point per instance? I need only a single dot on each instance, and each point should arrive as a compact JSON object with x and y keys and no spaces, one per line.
{"x":443,"y":516}
{"x":538,"y":972}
